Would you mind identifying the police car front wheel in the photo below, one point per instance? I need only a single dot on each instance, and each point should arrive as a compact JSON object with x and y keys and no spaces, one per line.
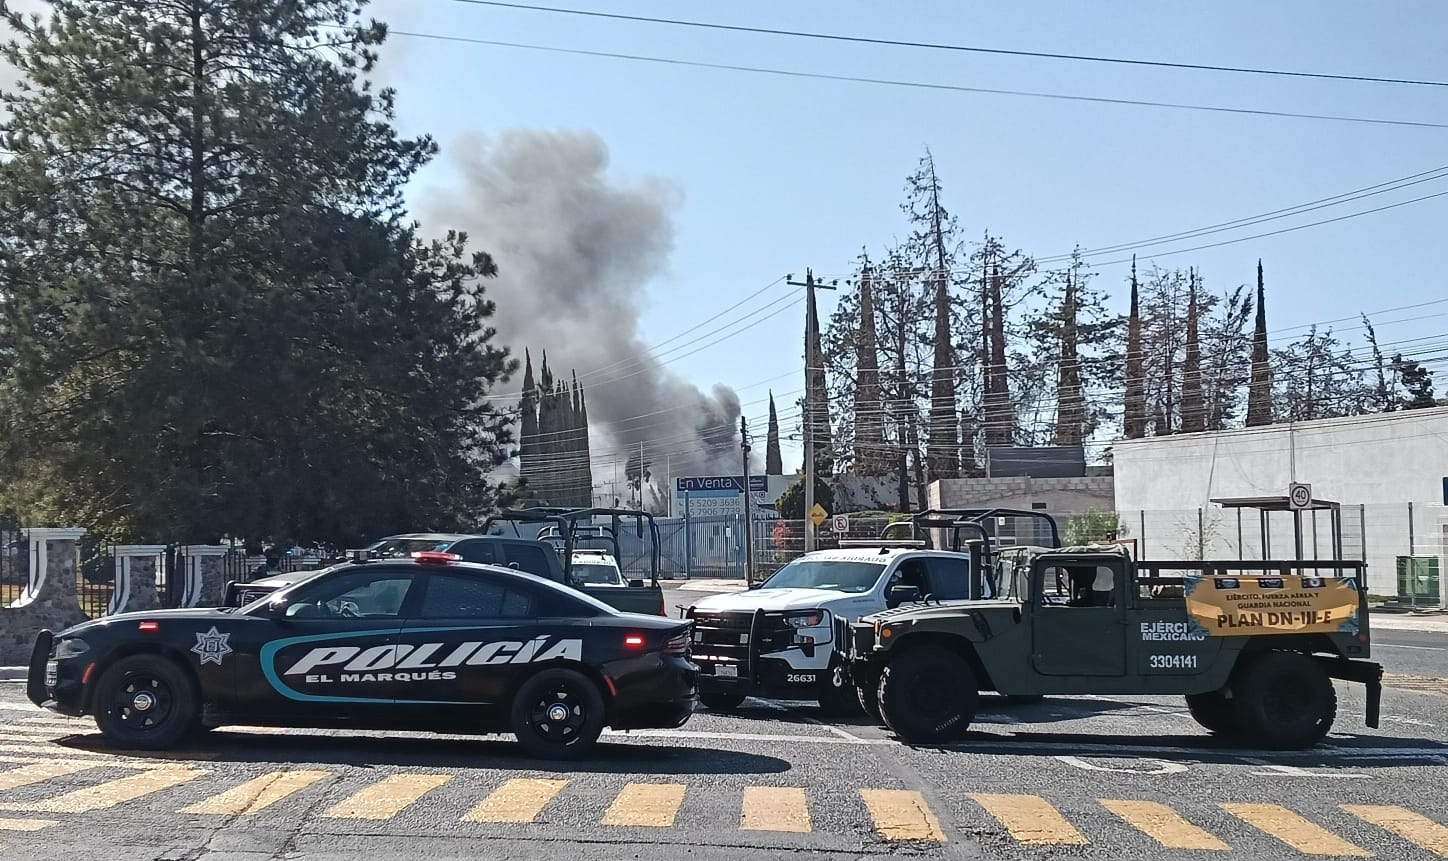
{"x":558,"y":714}
{"x":145,"y":702}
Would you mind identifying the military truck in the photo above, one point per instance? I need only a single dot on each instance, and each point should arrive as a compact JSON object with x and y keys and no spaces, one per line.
{"x":1252,"y":645}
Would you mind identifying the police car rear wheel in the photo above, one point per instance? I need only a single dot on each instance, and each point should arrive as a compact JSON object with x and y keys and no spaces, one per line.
{"x":558,"y":714}
{"x":145,"y":702}
{"x":928,"y":694}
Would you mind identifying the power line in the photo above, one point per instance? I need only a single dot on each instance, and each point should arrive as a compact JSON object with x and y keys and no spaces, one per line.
{"x":922,"y":85}
{"x":972,"y":49}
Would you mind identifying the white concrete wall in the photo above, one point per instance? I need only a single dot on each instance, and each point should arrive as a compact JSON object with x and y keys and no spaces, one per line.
{"x":1380,"y":462}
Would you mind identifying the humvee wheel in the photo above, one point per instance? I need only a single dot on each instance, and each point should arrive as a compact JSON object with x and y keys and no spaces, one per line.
{"x":1214,"y":712}
{"x":1283,"y":700}
{"x":869,"y":697}
{"x":928,"y":694}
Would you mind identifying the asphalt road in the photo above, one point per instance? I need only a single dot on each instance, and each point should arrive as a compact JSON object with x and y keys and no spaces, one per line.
{"x":1079,"y":777}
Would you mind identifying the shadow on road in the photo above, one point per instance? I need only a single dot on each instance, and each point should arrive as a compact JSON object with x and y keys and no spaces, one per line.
{"x":1351,"y":752}
{"x":495,"y":753}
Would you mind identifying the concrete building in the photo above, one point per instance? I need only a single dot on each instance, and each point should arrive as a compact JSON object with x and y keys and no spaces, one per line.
{"x":1059,"y":497}
{"x":1389,"y":471}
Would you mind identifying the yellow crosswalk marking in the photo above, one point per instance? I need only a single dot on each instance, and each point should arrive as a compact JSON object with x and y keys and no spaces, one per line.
{"x":770,"y":808}
{"x":36,"y":772}
{"x":1306,"y":837}
{"x":258,"y":794}
{"x":653,"y":805}
{"x":1162,"y":824}
{"x":26,"y":732}
{"x":902,"y":815}
{"x":112,"y":792}
{"x":1412,"y":827}
{"x":25,"y":824}
{"x":387,"y":797}
{"x":519,"y":800}
{"x":1030,"y":819}
{"x":37,"y":747}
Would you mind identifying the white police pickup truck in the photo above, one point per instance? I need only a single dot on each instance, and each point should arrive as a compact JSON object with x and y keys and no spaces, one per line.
{"x":787,"y":636}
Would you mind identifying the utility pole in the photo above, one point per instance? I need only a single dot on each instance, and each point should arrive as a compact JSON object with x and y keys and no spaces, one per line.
{"x":748,"y":514}
{"x":810,"y":406}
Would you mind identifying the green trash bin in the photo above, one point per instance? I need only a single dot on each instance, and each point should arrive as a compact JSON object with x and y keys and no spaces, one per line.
{"x":1419,"y":581}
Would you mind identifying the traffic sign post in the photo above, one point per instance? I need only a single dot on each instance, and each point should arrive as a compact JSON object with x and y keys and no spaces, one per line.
{"x":841,"y":524}
{"x":1299,"y":496}
{"x":818,"y":515}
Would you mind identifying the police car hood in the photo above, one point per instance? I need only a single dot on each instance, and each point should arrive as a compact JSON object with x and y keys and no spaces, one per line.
{"x":122,"y":621}
{"x":771,"y":600}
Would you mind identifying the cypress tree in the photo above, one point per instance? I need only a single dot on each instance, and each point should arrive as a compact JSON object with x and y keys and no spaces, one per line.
{"x":773,"y":459}
{"x":1134,"y":416}
{"x":1259,"y":391}
{"x":1193,"y":418}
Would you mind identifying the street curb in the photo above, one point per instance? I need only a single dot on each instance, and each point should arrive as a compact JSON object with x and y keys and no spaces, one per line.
{"x":13,"y":674}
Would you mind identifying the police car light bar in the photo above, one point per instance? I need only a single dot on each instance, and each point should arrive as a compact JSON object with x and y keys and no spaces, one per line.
{"x":362,"y":555}
{"x":435,"y":557}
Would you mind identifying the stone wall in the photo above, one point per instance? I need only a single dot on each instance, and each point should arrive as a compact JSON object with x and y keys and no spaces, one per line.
{"x":51,"y":601}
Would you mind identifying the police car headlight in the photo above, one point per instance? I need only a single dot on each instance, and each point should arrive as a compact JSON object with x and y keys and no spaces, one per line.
{"x":807,"y":618}
{"x":71,"y":647}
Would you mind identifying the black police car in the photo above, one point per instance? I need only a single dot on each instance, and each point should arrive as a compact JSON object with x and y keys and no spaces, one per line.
{"x":429,"y":643}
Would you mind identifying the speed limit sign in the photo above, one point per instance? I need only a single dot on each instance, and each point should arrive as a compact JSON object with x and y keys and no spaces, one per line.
{"x":841,"y":524}
{"x":1299,"y":496}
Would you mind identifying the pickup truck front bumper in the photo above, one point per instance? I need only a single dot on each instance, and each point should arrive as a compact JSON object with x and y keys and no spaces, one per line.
{"x":754,"y":654}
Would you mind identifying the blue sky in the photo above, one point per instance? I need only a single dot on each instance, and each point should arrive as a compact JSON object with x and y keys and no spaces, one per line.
{"x":778,"y":174}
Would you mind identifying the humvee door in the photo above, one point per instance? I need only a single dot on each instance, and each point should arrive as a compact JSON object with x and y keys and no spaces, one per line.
{"x":1078,"y":616}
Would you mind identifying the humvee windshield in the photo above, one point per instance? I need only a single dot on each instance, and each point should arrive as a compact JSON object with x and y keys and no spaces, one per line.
{"x":837,"y":575}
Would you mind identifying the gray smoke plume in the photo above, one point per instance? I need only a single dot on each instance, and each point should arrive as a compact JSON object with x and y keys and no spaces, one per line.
{"x":575,"y":251}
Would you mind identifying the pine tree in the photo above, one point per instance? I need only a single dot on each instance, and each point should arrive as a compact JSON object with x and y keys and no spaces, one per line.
{"x":1134,"y":413}
{"x":773,"y":459}
{"x":1384,"y":395}
{"x":933,"y":243}
{"x":1316,"y":377}
{"x":1193,"y":410}
{"x":1259,"y":395}
{"x":1417,"y":381}
{"x":215,"y":308}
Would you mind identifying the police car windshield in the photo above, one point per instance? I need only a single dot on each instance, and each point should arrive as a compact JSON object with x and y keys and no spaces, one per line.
{"x":403,"y":548}
{"x":597,"y":574}
{"x":837,"y":575}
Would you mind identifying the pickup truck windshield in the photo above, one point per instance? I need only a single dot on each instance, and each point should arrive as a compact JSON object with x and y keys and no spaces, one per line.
{"x":597,"y":574}
{"x":836,"y":575}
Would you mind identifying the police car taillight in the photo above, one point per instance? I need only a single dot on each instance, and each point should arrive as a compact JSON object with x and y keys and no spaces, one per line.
{"x":678,"y":645}
{"x":435,"y":557}
{"x":633,"y":641}
{"x":149,"y":627}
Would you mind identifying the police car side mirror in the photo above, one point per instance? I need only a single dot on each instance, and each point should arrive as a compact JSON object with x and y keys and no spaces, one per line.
{"x":902,"y":595}
{"x":274,"y":609}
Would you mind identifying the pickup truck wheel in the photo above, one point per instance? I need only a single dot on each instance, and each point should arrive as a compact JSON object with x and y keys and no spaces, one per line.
{"x":1214,"y":712}
{"x":1284,"y":700}
{"x":145,"y":702}
{"x":558,"y":714}
{"x":721,"y":700}
{"x":928,"y":694}
{"x":836,"y":694}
